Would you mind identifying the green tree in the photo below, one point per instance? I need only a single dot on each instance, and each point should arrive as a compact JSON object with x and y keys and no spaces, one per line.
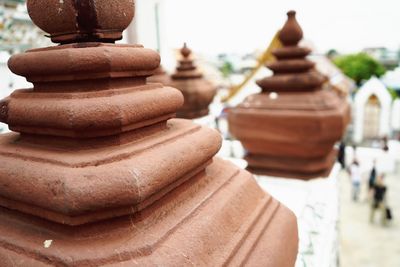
{"x":360,"y":67}
{"x":226,"y":69}
{"x":393,"y":93}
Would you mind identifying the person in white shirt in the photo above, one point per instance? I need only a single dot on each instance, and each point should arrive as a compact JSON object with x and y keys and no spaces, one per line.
{"x":355,"y":175}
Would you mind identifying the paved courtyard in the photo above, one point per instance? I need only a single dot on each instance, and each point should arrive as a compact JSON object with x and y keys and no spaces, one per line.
{"x":364,"y":244}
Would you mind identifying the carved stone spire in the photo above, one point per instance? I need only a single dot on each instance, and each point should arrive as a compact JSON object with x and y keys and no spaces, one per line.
{"x":292,"y":71}
{"x":98,"y":174}
{"x":290,"y":129}
{"x":186,"y":69}
{"x":197,"y":91}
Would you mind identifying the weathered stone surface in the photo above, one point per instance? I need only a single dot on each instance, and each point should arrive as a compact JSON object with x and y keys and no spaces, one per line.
{"x":197,"y":92}
{"x":290,"y":129}
{"x":68,"y":21}
{"x":99,"y":172}
{"x":218,"y":217}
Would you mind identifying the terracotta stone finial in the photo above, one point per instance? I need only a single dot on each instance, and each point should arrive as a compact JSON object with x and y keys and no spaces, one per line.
{"x":186,"y":66}
{"x":291,"y":33}
{"x":290,"y":129}
{"x":197,"y":91}
{"x":292,"y":70}
{"x":69,"y":21}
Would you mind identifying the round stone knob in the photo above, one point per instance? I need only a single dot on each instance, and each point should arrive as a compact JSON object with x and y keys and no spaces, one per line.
{"x":185,"y":51}
{"x":69,"y":21}
{"x":291,"y":33}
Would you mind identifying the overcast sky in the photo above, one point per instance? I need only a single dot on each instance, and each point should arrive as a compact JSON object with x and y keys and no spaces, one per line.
{"x":213,"y":26}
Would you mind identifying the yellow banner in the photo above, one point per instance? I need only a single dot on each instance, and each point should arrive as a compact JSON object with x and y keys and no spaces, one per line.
{"x":265,"y":58}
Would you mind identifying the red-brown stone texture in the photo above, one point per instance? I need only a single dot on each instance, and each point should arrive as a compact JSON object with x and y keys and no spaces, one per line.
{"x":68,"y":21}
{"x":160,"y":76}
{"x":98,"y":173}
{"x":290,"y":129}
{"x":197,"y":92}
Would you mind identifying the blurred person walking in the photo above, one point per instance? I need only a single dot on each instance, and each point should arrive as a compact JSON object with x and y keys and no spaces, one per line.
{"x":355,"y":175}
{"x":342,"y":155}
{"x":372,"y":179}
{"x":379,"y":201}
{"x":385,"y":144}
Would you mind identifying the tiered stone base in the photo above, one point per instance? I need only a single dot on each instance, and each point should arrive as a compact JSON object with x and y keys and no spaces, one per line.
{"x":156,"y":197}
{"x":294,"y":167}
{"x":188,"y":227}
{"x":292,"y":136}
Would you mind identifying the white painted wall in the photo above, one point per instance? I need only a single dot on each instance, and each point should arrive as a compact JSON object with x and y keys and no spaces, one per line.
{"x":392,"y":78}
{"x":143,"y":30}
{"x":8,"y":80}
{"x":5,"y":75}
{"x":373,"y":87}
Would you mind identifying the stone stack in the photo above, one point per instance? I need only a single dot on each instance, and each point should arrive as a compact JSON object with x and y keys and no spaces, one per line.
{"x":291,"y":127}
{"x":96,"y":173}
{"x":197,"y":92}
